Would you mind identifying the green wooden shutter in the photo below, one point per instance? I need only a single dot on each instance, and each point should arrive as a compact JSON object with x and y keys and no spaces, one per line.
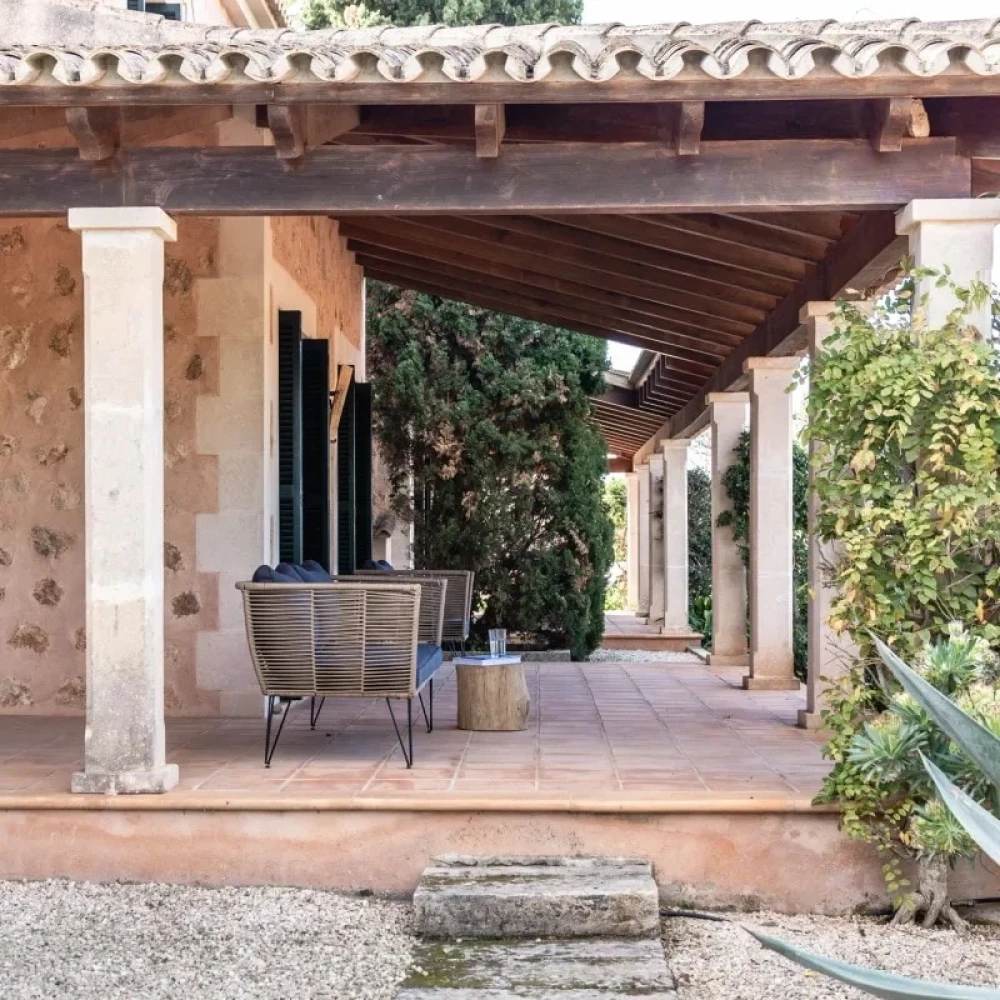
{"x":316,"y":451}
{"x":363,"y":471}
{"x":290,"y":436}
{"x":136,"y":4}
{"x":347,"y":552}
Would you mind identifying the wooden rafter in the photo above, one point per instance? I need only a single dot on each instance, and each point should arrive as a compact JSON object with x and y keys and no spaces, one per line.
{"x":490,"y":128}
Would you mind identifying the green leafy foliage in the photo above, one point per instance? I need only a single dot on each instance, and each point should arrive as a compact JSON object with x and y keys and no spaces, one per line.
{"x":906,"y":422}
{"x":487,"y":428}
{"x":948,"y":823}
{"x":337,"y":13}
{"x":906,"y":425}
{"x":700,"y":551}
{"x":736,"y":480}
{"x":616,"y":506}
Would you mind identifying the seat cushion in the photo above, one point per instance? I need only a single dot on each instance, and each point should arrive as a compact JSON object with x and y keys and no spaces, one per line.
{"x":264,"y":574}
{"x":313,"y":572}
{"x":429,"y":658}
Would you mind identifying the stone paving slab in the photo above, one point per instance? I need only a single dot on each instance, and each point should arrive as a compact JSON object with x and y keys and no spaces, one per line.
{"x":510,"y":897}
{"x":560,"y":970}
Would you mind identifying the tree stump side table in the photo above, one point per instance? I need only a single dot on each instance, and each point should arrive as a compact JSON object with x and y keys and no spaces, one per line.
{"x":492,"y":697}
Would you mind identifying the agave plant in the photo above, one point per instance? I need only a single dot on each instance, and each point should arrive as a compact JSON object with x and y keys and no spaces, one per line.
{"x":982,"y":747}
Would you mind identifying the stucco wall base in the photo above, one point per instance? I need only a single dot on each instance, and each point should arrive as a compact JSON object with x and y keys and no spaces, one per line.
{"x":792,"y":861}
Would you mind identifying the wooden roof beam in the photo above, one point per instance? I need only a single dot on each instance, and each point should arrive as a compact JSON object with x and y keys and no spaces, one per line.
{"x":542,"y":178}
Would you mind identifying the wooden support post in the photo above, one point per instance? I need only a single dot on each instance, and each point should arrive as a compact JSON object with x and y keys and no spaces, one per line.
{"x":97,"y":131}
{"x":298,"y":127}
{"x":892,"y":119}
{"x":681,"y":126}
{"x":491,"y":123}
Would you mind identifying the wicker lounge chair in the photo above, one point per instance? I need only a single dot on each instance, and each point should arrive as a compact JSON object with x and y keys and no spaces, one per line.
{"x":457,"y":602}
{"x":358,"y":639}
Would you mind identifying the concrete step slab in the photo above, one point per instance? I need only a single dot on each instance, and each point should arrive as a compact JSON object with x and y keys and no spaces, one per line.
{"x":594,"y":969}
{"x":524,"y":897}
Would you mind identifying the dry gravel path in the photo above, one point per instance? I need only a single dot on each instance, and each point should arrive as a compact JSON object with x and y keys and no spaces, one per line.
{"x":112,"y":942}
{"x":713,"y":961}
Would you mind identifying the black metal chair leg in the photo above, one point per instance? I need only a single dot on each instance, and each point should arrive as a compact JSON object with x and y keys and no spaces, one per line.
{"x":407,"y":755}
{"x":270,"y":747}
{"x":314,"y":711}
{"x":428,"y":718}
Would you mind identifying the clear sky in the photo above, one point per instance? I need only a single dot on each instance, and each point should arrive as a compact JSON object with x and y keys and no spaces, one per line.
{"x":710,"y":11}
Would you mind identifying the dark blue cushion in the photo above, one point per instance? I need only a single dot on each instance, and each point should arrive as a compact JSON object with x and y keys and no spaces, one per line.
{"x":264,"y":574}
{"x":312,"y":572}
{"x":292,"y":571}
{"x":377,"y":566}
{"x":429,"y":658}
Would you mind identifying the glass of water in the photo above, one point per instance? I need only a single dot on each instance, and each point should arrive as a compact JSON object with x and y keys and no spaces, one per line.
{"x":498,"y":642}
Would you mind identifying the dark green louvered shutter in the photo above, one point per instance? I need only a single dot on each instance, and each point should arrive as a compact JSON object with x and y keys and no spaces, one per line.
{"x":136,"y":4}
{"x":316,"y":451}
{"x":290,"y":436}
{"x":363,"y":471}
{"x":347,"y":552}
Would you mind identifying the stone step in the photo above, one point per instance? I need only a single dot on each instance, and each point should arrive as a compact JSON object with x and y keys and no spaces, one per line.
{"x":512,"y":897}
{"x":594,"y":969}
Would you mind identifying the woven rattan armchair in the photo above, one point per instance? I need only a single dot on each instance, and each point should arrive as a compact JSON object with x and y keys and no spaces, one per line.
{"x":457,"y":602}
{"x":362,"y":639}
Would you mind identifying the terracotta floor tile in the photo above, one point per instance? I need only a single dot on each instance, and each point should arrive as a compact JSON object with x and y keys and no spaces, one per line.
{"x":595,"y":730}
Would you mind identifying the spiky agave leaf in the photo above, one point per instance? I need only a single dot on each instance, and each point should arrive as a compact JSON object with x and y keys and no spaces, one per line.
{"x":982,"y":826}
{"x":880,"y":984}
{"x":975,"y":739}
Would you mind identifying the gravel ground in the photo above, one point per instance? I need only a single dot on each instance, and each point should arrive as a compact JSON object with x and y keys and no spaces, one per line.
{"x":104,"y":942}
{"x":713,"y":961}
{"x":640,"y":656}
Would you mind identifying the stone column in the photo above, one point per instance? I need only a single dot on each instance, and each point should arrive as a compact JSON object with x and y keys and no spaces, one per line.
{"x":123,"y":406}
{"x":644,"y":590}
{"x":656,"y":539}
{"x":957,"y":233}
{"x":728,"y":415}
{"x":632,"y":539}
{"x":675,"y":537}
{"x":829,"y":653}
{"x":771,"y":586}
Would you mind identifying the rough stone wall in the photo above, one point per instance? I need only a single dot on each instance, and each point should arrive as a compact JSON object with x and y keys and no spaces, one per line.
{"x":42,"y":607}
{"x":311,"y":250}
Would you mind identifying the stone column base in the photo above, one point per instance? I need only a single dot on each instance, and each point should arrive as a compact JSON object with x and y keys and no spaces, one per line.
{"x":809,"y":720}
{"x":154,"y":782}
{"x":728,"y":660}
{"x":771,"y":684}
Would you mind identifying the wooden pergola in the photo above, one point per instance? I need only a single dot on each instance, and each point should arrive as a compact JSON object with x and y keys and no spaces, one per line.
{"x":682,"y":189}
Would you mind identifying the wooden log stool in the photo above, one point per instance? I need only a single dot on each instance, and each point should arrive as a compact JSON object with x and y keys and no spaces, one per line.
{"x":492,"y":698}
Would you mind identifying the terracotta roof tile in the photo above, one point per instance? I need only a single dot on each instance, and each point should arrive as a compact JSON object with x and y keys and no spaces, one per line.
{"x":787,"y":50}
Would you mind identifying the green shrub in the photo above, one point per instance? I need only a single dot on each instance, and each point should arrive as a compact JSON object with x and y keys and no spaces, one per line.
{"x":700,"y":551}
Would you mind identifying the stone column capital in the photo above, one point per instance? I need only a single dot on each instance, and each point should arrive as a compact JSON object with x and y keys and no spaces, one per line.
{"x":783,"y":363}
{"x":728,"y":398}
{"x":675,"y":444}
{"x":153,"y":220}
{"x":812,"y":311}
{"x":954,"y":210}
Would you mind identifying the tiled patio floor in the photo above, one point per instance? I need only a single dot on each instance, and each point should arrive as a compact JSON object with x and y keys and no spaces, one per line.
{"x":596,"y":731}
{"x":625,"y":623}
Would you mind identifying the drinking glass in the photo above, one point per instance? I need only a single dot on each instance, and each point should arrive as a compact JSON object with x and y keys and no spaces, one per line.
{"x":498,"y":642}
